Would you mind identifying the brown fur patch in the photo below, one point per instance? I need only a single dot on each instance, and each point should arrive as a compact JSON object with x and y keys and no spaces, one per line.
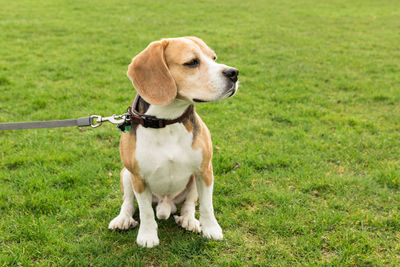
{"x":188,"y":125}
{"x":121,"y":176}
{"x":195,"y":124}
{"x":192,"y":125}
{"x":127,"y":148}
{"x":138,"y":184}
{"x":203,"y":141}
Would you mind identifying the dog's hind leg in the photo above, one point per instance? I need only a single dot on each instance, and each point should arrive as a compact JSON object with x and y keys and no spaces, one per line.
{"x":187,"y":219}
{"x":124,"y":220}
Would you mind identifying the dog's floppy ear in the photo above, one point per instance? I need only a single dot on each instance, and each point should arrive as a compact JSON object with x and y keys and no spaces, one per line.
{"x":150,"y":75}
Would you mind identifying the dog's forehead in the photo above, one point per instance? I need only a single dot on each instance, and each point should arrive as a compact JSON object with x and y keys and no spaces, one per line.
{"x":185,"y":47}
{"x":202,"y":45}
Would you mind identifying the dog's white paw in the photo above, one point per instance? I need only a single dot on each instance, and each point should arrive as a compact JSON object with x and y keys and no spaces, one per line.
{"x":122,"y":222}
{"x":147,"y":237}
{"x":188,"y":222}
{"x":211,"y":229}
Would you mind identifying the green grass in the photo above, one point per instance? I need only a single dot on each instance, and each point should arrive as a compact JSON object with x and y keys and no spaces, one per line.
{"x":315,"y":128}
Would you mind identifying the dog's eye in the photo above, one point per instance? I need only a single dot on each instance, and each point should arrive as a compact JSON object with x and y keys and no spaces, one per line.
{"x":193,"y":63}
{"x":215,"y":58}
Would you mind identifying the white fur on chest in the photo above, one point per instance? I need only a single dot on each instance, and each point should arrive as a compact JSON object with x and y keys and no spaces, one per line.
{"x":166,"y":158}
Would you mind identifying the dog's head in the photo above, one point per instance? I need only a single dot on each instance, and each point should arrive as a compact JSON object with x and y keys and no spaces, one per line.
{"x":182,"y":68}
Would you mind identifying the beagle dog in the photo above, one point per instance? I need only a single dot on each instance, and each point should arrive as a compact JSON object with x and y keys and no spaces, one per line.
{"x":172,"y":165}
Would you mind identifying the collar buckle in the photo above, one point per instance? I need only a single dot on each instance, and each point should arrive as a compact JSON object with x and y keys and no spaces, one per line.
{"x":152,"y":122}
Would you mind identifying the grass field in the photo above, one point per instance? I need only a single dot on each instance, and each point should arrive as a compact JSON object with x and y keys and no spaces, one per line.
{"x":308,"y":166}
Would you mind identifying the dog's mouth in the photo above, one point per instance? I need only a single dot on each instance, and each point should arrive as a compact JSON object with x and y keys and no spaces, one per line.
{"x":199,"y":100}
{"x":231,"y":91}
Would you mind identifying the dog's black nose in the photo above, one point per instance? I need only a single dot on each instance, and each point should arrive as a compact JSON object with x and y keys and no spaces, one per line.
{"x":231,"y":73}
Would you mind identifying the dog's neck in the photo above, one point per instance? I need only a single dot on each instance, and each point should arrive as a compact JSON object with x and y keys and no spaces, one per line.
{"x":170,"y":111}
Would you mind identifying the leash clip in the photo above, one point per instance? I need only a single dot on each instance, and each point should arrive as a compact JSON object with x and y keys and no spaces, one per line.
{"x":97,"y":120}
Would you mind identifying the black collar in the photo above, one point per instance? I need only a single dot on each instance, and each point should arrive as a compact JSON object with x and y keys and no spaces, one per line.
{"x":148,"y":121}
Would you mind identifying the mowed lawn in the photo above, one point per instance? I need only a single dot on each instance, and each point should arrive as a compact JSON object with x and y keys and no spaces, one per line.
{"x":307,"y":154}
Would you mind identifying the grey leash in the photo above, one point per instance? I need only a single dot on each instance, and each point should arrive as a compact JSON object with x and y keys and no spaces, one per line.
{"x":94,"y":121}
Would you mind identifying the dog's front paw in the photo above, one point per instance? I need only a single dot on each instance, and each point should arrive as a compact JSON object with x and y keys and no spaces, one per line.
{"x":147,"y":237}
{"x":122,"y":222}
{"x":188,"y":222}
{"x":211,"y":229}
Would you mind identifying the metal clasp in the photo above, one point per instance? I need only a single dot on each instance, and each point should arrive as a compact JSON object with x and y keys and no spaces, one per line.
{"x":116,"y":119}
{"x":97,"y":120}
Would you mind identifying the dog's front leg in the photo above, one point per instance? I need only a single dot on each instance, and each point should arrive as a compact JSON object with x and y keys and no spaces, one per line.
{"x":147,"y":236}
{"x":124,"y":220}
{"x":204,"y":184}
